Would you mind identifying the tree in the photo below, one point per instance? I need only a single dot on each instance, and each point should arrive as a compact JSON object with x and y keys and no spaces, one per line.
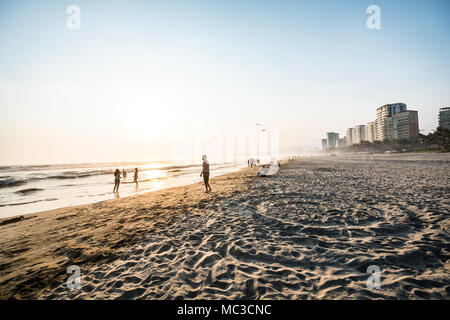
{"x":442,"y":138}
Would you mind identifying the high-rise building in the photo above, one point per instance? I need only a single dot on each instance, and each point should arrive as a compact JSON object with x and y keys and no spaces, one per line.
{"x":354,"y":140}
{"x":386,"y":111}
{"x":370,"y":131}
{"x":359,"y":132}
{"x":333,"y":138}
{"x":375,"y":130}
{"x":324,"y":144}
{"x":349,"y":137}
{"x":402,"y":125}
{"x":444,"y":118}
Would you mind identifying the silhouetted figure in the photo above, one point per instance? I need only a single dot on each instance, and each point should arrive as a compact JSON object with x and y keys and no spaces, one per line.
{"x":205,"y":173}
{"x":116,"y":180}
{"x":136,"y":175}
{"x":124,"y":174}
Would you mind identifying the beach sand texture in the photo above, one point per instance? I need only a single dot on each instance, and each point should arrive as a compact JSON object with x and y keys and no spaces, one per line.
{"x":310,"y":232}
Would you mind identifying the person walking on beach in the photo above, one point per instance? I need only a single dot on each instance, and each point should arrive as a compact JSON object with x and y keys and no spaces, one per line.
{"x":136,"y":174}
{"x":124,"y":174}
{"x":205,"y":173}
{"x":116,"y":180}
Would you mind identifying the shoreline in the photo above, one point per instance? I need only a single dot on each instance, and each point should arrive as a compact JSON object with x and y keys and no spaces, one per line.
{"x":309,"y":232}
{"x":18,"y":255}
{"x":25,"y":215}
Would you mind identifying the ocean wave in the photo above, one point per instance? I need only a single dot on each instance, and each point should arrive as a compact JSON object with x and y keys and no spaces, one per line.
{"x":71,"y":176}
{"x":86,"y":174}
{"x":29,"y":190}
{"x":12,"y":182}
{"x":28,"y":202}
{"x":145,"y":180}
{"x":25,"y":168}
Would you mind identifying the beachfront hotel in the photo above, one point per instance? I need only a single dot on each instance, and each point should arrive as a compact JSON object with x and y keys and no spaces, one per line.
{"x":370,"y":132}
{"x":349,"y":136}
{"x":332,"y":141}
{"x":393,"y":122}
{"x":444,"y":118}
{"x":401,"y":126}
{"x":358,"y":134}
{"x":382,"y":113}
{"x":354,"y":135}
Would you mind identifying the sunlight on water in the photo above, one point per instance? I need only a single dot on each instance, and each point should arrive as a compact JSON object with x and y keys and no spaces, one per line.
{"x":31,"y":189}
{"x":153,"y":174}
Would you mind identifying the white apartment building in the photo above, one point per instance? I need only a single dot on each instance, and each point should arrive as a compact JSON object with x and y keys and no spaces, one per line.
{"x":382,"y":113}
{"x":369,"y":132}
{"x":349,"y":137}
{"x":358,"y":134}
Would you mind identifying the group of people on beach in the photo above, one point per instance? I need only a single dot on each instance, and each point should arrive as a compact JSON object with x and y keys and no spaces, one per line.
{"x":204,"y":174}
{"x":251,"y":162}
{"x":124,"y":176}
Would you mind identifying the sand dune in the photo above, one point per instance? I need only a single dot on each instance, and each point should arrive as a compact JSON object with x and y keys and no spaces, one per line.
{"x":310,"y":232}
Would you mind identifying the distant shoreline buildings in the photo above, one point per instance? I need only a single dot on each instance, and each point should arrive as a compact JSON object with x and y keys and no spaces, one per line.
{"x":444,"y":118}
{"x":393,"y":122}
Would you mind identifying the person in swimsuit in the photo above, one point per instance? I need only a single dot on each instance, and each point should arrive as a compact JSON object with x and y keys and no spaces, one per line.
{"x":205,"y":173}
{"x":116,"y":180}
{"x":124,"y":174}
{"x":136,"y":174}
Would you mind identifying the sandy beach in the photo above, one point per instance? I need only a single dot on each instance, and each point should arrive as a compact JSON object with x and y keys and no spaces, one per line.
{"x":310,"y":232}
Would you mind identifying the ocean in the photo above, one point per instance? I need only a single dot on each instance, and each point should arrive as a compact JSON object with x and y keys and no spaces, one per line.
{"x":36,"y":188}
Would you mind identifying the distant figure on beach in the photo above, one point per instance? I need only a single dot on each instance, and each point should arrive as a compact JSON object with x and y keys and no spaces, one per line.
{"x":124,"y":174}
{"x":205,"y":173}
{"x":116,"y":180}
{"x":136,"y":174}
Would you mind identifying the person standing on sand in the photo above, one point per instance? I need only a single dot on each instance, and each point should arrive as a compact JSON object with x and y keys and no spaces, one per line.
{"x":116,"y":180}
{"x":124,"y":174}
{"x":136,"y":174}
{"x":205,"y":173}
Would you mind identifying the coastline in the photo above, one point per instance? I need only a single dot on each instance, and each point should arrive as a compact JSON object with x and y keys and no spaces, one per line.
{"x":310,"y":232}
{"x":29,"y":189}
{"x":45,"y":243}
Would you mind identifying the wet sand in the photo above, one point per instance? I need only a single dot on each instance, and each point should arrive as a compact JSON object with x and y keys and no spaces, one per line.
{"x":310,"y":232}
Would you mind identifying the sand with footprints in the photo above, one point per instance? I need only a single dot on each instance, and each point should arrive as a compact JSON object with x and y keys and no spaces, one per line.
{"x":310,"y":232}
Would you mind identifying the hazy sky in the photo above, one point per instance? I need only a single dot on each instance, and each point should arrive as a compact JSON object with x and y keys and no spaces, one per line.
{"x":140,"y":74}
